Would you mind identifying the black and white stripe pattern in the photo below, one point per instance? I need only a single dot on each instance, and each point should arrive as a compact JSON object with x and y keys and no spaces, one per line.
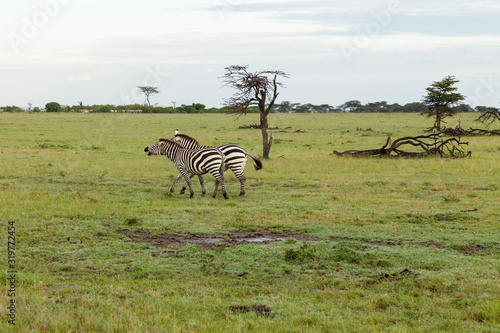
{"x":192,"y":162}
{"x":235,"y":157}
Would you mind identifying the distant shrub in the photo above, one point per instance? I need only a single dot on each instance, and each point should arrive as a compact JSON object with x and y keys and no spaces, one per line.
{"x":53,"y":107}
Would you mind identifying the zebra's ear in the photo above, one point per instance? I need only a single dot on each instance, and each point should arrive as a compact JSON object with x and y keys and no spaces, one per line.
{"x":161,"y":139}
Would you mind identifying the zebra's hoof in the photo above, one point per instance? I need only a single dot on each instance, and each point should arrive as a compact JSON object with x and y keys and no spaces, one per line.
{"x":191,"y":196}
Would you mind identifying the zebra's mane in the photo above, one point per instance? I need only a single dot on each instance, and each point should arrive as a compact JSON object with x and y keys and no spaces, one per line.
{"x":172,"y":142}
{"x":190,"y":138}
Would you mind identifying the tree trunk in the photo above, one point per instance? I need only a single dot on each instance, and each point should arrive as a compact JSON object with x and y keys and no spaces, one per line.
{"x":266,"y":140}
{"x":437,"y":123}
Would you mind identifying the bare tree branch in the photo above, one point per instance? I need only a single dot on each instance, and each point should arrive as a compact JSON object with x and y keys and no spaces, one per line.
{"x":253,"y":90}
{"x":489,"y":117}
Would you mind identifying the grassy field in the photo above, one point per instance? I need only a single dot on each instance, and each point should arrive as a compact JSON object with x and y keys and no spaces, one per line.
{"x":369,"y":245}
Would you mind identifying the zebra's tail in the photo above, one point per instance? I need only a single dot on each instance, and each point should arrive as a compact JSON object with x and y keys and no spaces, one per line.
{"x":223,"y":164}
{"x":258,"y":163}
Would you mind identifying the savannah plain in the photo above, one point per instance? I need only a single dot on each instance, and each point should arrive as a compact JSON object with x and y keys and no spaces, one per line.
{"x":319,"y":243}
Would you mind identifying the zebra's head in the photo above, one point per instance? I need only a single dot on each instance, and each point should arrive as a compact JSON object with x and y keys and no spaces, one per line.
{"x":185,"y":140}
{"x":155,"y":148}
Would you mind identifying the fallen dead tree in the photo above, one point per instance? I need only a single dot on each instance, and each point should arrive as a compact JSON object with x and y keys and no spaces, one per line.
{"x":490,"y":116}
{"x":427,"y":145}
{"x":487,"y":118}
{"x":256,"y":126}
{"x":459,"y":131}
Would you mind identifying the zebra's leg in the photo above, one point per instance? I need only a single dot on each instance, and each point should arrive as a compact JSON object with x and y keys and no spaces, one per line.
{"x":242,"y":187}
{"x":202,"y":183}
{"x":241,"y":177}
{"x":183,"y":189}
{"x":216,"y":188}
{"x":188,"y":181}
{"x":223,"y":187}
{"x":243,"y":180}
{"x":175,"y":182}
{"x":219,"y":179}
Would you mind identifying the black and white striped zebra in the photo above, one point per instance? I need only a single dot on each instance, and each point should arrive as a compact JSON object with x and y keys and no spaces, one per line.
{"x":192,"y":162}
{"x":235,"y":157}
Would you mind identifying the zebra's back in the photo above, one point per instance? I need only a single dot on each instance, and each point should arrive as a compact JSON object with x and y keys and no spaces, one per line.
{"x":233,"y":154}
{"x":235,"y":157}
{"x":201,"y":161}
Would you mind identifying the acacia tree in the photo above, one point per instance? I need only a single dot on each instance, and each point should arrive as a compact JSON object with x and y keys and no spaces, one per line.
{"x":148,"y":91}
{"x":284,"y":107}
{"x":351,"y":106}
{"x":441,"y":100}
{"x":258,"y":89}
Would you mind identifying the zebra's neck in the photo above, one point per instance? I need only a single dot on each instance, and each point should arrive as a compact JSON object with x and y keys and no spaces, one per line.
{"x":170,"y":151}
{"x":192,"y":145}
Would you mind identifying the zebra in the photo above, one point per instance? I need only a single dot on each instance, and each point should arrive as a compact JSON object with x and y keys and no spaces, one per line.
{"x":192,"y":162}
{"x":235,"y":158}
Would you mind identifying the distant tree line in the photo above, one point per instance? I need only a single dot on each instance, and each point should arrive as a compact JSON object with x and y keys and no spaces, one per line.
{"x":353,"y":106}
{"x":356,"y":106}
{"x":109,"y":108}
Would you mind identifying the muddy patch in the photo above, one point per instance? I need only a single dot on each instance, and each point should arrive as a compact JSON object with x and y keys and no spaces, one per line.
{"x":389,"y":243}
{"x":471,"y":250}
{"x":431,"y":244}
{"x":209,"y":241}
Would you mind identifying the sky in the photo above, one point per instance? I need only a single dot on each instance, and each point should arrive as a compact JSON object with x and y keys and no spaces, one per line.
{"x":99,"y":51}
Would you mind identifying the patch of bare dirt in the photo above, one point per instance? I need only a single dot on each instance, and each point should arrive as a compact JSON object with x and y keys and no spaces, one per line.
{"x":209,"y":241}
{"x":261,"y":310}
{"x":472,"y":250}
{"x":336,"y":239}
{"x":431,"y":244}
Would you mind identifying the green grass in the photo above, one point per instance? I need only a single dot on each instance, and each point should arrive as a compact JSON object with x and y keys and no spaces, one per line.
{"x":86,"y":176}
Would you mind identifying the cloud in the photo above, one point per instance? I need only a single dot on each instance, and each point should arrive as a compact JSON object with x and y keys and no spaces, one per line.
{"x":101,"y":49}
{"x":339,"y":17}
